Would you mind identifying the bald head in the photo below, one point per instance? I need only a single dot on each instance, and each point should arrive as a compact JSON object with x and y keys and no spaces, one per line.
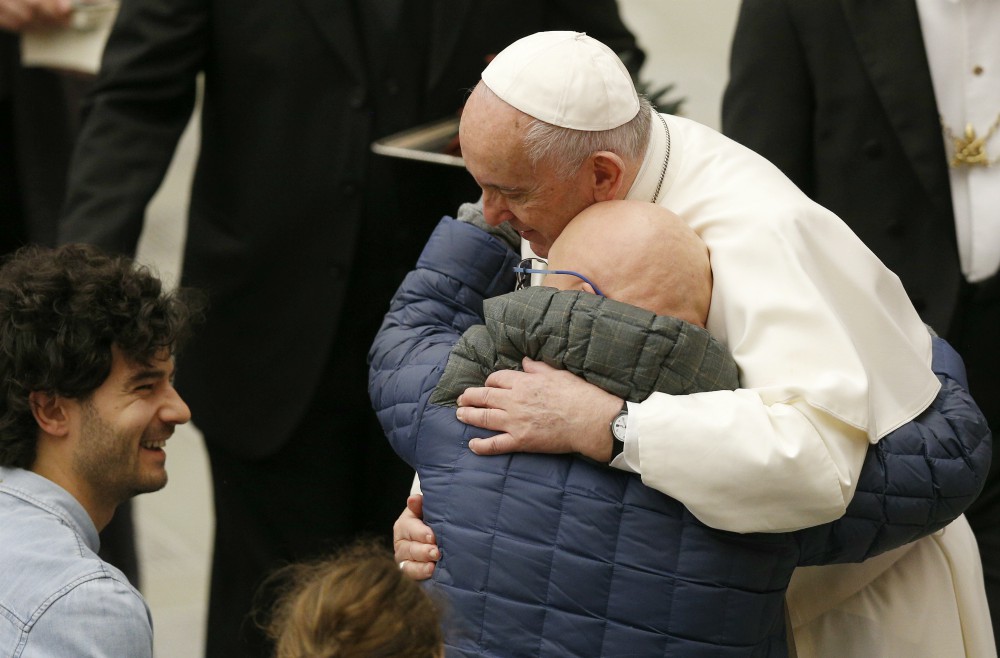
{"x":637,"y":253}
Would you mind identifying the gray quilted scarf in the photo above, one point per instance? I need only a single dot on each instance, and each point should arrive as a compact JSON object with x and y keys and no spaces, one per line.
{"x":623,"y":349}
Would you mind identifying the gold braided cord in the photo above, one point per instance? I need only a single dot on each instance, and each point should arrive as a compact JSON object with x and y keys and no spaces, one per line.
{"x":970,"y":149}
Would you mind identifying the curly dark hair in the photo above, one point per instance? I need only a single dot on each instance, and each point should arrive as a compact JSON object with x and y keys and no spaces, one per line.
{"x":61,"y":311}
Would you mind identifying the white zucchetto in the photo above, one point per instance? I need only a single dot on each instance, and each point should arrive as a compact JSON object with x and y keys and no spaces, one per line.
{"x":567,"y":79}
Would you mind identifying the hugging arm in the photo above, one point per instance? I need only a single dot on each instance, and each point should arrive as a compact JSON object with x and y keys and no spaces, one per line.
{"x":914,"y":481}
{"x":460,"y":267}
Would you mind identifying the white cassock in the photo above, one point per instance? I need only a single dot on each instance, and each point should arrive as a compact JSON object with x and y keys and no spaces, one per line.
{"x":832,"y":357}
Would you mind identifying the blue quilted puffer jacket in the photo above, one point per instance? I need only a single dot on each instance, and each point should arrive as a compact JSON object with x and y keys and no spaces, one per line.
{"x":551,"y":555}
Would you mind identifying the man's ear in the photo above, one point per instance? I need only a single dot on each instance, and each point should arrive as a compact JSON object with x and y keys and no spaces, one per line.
{"x":609,"y":175}
{"x":49,"y":412}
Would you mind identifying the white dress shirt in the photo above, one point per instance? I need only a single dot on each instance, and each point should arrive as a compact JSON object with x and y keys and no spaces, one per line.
{"x":962,"y":38}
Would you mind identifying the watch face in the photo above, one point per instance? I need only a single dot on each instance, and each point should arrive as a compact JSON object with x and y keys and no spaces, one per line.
{"x":619,"y":426}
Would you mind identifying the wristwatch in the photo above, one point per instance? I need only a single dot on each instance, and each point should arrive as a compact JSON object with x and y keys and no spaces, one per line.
{"x":619,"y":426}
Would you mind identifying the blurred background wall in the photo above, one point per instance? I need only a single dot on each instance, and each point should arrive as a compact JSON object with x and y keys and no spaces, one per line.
{"x":687,"y":44}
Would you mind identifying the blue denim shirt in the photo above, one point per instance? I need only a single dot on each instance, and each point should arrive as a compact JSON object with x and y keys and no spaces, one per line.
{"x":57,"y":598}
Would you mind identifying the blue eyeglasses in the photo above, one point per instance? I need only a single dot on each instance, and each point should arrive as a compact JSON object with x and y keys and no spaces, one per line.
{"x":523,"y":270}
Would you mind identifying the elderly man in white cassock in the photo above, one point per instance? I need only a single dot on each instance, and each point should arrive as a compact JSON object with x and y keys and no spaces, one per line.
{"x":831,"y":354}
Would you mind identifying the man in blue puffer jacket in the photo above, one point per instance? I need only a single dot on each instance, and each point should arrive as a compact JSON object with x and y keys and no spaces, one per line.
{"x":553,"y":555}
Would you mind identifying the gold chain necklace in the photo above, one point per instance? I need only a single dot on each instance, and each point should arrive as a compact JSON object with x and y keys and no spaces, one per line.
{"x":970,"y":149}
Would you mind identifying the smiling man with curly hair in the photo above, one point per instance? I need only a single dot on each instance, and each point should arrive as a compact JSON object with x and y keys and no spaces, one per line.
{"x":87,"y":405}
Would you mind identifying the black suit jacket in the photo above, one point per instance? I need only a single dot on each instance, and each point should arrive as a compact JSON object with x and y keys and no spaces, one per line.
{"x":838,"y":94}
{"x":299,"y":234}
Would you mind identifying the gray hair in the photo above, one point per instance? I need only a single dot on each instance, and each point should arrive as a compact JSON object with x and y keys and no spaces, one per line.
{"x":567,"y":149}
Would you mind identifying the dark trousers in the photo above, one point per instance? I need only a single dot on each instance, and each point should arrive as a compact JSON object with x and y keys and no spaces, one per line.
{"x":975,"y":336}
{"x":334,"y":480}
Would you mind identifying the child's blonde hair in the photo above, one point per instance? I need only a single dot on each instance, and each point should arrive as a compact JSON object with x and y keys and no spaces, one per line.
{"x":355,"y":604}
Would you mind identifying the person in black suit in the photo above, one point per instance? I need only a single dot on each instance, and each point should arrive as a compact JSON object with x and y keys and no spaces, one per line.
{"x":839,"y":95}
{"x":299,"y":234}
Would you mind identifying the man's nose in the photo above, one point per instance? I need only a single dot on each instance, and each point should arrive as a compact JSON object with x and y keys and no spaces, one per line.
{"x":495,"y":209}
{"x":174,"y":409}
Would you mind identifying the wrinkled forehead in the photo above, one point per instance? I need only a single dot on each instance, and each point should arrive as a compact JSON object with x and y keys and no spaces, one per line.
{"x":486,"y":117}
{"x":493,"y":145}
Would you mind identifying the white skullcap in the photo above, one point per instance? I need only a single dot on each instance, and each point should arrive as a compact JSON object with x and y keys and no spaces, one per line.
{"x":564,"y":78}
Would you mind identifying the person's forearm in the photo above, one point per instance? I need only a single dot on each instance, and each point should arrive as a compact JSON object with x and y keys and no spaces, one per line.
{"x":743,"y":466}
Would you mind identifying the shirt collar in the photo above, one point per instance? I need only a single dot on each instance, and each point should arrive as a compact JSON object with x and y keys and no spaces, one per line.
{"x":46,"y":494}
